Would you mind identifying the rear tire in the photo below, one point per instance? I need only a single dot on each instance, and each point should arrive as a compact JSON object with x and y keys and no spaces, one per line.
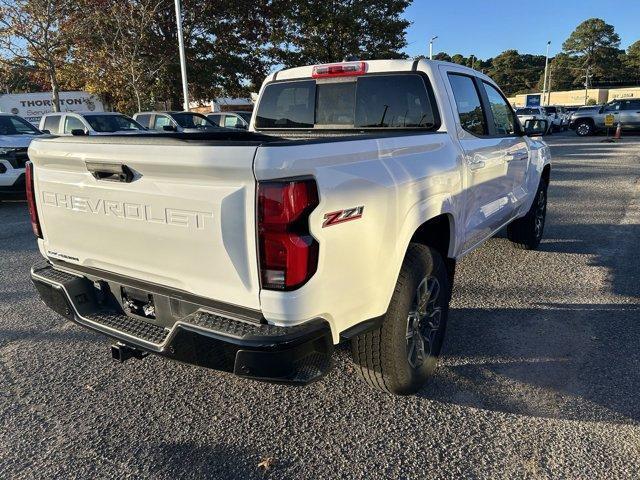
{"x":401,"y":355}
{"x":526,"y":232}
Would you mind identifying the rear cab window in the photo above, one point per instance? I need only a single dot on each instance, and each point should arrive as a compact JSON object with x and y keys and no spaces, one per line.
{"x":367,"y":102}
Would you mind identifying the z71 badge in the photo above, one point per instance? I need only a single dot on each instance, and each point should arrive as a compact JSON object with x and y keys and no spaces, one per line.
{"x":341,"y":216}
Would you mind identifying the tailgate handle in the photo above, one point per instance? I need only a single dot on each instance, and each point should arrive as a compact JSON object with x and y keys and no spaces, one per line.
{"x":110,"y":172}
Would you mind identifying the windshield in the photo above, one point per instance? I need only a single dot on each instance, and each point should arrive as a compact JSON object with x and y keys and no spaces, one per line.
{"x":527,"y":111}
{"x":112,"y":123}
{"x":14,"y":125}
{"x":192,"y":120}
{"x":371,"y":102}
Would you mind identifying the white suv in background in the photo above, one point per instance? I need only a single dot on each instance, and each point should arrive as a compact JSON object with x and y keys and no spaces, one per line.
{"x":532,"y":113}
{"x":15,"y":136}
{"x":89,"y":123}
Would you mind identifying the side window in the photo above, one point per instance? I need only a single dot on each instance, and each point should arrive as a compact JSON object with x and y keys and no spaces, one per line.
{"x":502,"y":115}
{"x":215,"y":119}
{"x":632,"y":105}
{"x":231,"y":121}
{"x":72,"y":123}
{"x":612,"y":107}
{"x":161,"y":121}
{"x":472,"y":116}
{"x":143,"y":120}
{"x":52,"y":124}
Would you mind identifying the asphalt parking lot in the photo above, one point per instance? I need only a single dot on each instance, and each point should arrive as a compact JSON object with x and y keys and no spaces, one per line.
{"x":540,"y":375}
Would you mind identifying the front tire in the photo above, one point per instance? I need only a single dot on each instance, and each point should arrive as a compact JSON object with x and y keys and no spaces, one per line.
{"x":584,"y":129}
{"x":401,"y":355}
{"x":526,"y":232}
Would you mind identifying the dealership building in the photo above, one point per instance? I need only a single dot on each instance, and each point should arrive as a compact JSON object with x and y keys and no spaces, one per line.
{"x":574,"y":97}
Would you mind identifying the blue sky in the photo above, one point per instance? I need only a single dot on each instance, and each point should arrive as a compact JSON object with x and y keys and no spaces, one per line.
{"x":488,"y":27}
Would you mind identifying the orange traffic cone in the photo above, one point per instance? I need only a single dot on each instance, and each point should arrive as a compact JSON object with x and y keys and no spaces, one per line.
{"x":618,"y":134}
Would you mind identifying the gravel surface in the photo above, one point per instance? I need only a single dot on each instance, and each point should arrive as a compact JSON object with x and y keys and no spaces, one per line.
{"x":539,"y":378}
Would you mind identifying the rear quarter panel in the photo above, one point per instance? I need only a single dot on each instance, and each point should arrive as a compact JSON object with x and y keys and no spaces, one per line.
{"x":400,"y":181}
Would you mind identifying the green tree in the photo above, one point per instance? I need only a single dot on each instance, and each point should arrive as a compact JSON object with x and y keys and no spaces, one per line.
{"x":516,"y":73}
{"x":328,"y":31}
{"x":633,"y":56}
{"x":562,"y":72}
{"x":442,"y":56}
{"x":594,"y":44}
{"x":36,"y":34}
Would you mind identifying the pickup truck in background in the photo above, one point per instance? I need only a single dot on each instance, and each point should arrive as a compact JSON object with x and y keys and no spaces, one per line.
{"x":588,"y":121}
{"x":338,"y":218}
{"x":15,"y":136}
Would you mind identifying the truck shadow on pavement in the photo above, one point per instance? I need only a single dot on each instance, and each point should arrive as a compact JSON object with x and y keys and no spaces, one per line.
{"x":572,"y":362}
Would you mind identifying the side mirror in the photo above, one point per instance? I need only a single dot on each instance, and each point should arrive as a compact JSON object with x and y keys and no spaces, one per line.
{"x":78,"y":132}
{"x":536,"y":128}
{"x":242,"y":126}
{"x":169,"y":128}
{"x":48,"y":132}
{"x":601,"y":109}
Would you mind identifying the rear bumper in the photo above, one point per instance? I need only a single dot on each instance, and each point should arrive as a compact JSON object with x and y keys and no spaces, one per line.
{"x":294,"y":355}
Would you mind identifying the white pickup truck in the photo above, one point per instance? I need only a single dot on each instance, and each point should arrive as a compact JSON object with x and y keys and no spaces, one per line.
{"x":338,"y":217}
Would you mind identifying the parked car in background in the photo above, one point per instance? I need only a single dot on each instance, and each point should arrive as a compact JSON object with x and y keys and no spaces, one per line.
{"x":555,"y":115}
{"x":184,"y":122}
{"x":89,"y":123}
{"x":15,"y":136}
{"x":239,"y":120}
{"x":589,"y":120}
{"x":534,"y":114}
{"x":255,"y":255}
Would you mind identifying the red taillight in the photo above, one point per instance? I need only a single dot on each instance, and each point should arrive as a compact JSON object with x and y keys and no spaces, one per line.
{"x":288,"y":252}
{"x":339,"y":69}
{"x":31,"y":200}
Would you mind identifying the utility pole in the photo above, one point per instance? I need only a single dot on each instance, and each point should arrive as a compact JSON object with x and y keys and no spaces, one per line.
{"x":586,"y":85}
{"x":549,"y":85}
{"x":546,"y":69}
{"x":431,"y":47}
{"x":183,"y":60}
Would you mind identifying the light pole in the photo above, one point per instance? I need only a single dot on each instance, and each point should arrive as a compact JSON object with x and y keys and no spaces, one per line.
{"x":546,"y":69}
{"x":431,"y":47}
{"x":183,"y":61}
{"x":586,"y":84}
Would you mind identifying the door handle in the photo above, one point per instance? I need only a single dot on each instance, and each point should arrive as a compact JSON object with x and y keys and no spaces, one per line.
{"x":110,"y":172}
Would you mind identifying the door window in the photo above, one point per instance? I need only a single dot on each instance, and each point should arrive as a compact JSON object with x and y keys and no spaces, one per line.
{"x":143,"y":120}
{"x":472,"y":117}
{"x":161,"y":121}
{"x":215,"y":119}
{"x":612,"y":107}
{"x":503,"y":119}
{"x":52,"y":123}
{"x":72,"y":123}
{"x":231,"y":121}
{"x":632,"y":105}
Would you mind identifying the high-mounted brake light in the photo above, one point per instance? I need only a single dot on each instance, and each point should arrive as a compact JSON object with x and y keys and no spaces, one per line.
{"x":288,"y":252}
{"x":346,"y":69}
{"x":31,"y":200}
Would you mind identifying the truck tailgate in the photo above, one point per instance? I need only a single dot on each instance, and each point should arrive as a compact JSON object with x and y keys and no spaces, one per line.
{"x":186,"y":220}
